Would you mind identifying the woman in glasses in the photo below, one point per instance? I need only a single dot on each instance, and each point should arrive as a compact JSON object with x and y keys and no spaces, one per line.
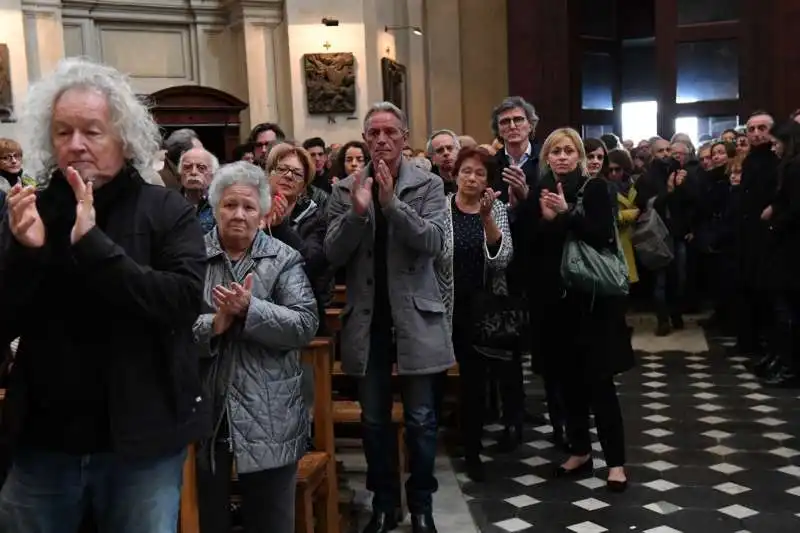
{"x":11,"y":165}
{"x":296,"y":218}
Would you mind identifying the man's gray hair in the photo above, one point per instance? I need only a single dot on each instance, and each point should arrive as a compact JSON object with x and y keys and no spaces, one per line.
{"x":211,"y":157}
{"x":240,"y":173}
{"x":451,"y":133}
{"x":386,"y":107}
{"x":178,"y":142}
{"x":514,"y":102}
{"x":130,"y":118}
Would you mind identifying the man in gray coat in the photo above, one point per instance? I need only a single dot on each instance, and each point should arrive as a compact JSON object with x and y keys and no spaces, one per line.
{"x":387,"y":226}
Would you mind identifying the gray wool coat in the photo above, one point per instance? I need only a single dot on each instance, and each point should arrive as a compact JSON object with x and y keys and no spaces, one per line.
{"x":416,"y":218}
{"x":254,"y":373}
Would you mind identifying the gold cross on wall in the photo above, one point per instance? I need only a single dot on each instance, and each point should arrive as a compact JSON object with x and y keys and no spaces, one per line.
{"x":327,"y":45}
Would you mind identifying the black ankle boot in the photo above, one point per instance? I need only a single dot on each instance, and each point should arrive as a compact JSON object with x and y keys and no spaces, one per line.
{"x":422,"y":523}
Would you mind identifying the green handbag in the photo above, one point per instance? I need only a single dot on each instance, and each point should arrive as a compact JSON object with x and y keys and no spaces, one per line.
{"x":586,"y":269}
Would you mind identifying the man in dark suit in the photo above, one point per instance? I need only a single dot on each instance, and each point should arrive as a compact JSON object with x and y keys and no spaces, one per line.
{"x":517,"y":162}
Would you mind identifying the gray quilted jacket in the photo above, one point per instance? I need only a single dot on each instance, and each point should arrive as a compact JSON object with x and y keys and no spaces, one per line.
{"x":254,"y":370}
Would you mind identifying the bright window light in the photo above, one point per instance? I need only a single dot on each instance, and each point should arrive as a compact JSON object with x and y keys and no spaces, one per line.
{"x":639,"y":120}
{"x":687,"y":125}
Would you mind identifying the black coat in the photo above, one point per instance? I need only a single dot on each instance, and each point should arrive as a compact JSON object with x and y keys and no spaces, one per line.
{"x":784,"y":226}
{"x":516,"y":273}
{"x":106,"y":324}
{"x":676,"y":208}
{"x":304,"y":230}
{"x":574,"y":334}
{"x":757,"y":191}
{"x":712,"y":206}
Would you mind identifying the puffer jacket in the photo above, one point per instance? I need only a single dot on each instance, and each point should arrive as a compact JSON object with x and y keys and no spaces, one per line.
{"x":254,"y":373}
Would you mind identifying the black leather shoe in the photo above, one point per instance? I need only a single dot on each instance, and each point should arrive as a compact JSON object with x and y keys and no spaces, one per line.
{"x":585,"y":470}
{"x":511,"y":438}
{"x":785,"y":378}
{"x":677,"y":322}
{"x":381,"y":522}
{"x":760,"y":365}
{"x":663,"y":329}
{"x":422,"y":523}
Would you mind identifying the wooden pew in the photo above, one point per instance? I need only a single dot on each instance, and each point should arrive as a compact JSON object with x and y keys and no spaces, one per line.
{"x":317,"y":498}
{"x":339,"y":296}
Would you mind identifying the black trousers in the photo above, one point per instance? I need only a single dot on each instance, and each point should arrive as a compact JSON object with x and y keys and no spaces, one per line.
{"x":267,"y":497}
{"x":756,"y":313}
{"x":474,"y":372}
{"x":786,"y":331}
{"x":600,"y":397}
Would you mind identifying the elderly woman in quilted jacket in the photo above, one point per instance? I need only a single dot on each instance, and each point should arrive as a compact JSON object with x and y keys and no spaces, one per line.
{"x":260,"y":312}
{"x":478,"y":246}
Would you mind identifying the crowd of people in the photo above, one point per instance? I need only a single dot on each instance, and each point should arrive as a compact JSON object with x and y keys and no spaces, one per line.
{"x":155,"y":298}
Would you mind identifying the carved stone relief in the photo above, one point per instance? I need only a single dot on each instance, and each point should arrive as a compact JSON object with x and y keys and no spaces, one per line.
{"x":330,"y":83}
{"x":6,"y":99}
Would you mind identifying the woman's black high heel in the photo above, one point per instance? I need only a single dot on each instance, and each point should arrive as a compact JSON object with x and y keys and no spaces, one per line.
{"x":616,"y":486}
{"x":585,"y":470}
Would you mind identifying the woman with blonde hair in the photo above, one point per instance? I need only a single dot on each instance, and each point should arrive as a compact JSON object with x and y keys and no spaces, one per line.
{"x":581,"y":337}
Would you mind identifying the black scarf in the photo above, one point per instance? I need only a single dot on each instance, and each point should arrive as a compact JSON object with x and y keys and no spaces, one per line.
{"x":12,"y":178}
{"x":59,"y":201}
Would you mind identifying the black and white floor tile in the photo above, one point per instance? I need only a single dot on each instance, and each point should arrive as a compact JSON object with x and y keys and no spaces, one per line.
{"x":709,"y":451}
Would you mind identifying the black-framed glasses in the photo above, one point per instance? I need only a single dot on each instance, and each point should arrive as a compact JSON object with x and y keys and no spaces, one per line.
{"x":13,"y":156}
{"x":517,"y":121}
{"x":296,"y":174}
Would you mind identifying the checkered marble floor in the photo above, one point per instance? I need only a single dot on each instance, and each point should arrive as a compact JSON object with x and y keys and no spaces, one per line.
{"x":709,"y":451}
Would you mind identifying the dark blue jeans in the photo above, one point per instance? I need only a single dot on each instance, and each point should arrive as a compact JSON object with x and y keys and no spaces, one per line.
{"x":48,"y":492}
{"x":380,"y":439}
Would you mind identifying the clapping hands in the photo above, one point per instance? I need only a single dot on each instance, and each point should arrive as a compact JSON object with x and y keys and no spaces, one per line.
{"x":231,"y":303}
{"x":553,"y":204}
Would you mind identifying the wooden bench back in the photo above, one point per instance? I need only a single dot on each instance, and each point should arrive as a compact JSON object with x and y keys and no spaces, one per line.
{"x":319,"y":355}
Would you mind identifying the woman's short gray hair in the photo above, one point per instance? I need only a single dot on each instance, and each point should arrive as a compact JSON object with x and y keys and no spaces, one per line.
{"x":130,"y":118}
{"x":514,"y":102}
{"x":240,"y":173}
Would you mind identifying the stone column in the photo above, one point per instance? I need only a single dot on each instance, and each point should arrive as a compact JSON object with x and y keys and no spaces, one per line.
{"x":259,"y":34}
{"x":443,"y":40}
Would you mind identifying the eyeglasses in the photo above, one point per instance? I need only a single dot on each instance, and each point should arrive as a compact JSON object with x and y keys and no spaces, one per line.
{"x":261,"y":145}
{"x":284,"y":170}
{"x":595,"y":157}
{"x":11,"y":157}
{"x":506,"y":122}
{"x":614,"y":170}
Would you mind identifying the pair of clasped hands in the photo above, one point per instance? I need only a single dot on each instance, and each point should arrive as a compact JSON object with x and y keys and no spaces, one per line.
{"x":361,"y":191}
{"x":26,"y":224}
{"x":551,"y":203}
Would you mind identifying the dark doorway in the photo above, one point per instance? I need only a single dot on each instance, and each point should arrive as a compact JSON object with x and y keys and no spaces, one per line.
{"x":213,"y":114}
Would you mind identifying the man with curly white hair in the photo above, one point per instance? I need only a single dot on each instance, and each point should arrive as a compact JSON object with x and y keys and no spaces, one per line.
{"x":104,"y":396}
